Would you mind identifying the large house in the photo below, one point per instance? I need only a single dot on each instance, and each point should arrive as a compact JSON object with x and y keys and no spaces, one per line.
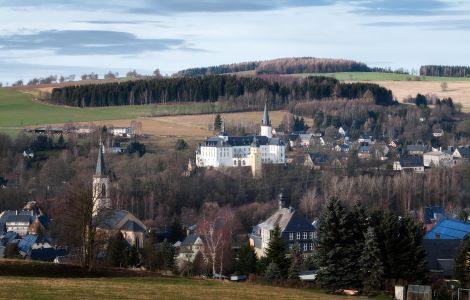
{"x":234,"y":151}
{"x":295,"y":228}
{"x":189,"y":248}
{"x":462,"y":153}
{"x":409,"y":164}
{"x":107,"y":219}
{"x":438,"y":159}
{"x":28,"y":220}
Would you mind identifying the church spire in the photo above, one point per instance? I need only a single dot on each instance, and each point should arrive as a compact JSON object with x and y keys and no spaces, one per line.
{"x":266,"y":121}
{"x":100,"y":167}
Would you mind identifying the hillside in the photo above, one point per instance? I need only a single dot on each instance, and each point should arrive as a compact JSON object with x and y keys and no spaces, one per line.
{"x":292,"y":65}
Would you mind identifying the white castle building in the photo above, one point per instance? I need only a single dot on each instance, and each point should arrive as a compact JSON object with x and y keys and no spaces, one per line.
{"x":234,"y":151}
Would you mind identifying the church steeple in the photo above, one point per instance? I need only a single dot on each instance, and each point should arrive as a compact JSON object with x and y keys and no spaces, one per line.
{"x":266,"y":121}
{"x":101,"y":198}
{"x":266,"y":129}
{"x":100,"y":167}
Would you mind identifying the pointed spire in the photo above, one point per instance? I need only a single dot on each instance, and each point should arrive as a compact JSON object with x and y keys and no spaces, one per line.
{"x":100,"y":167}
{"x":266,"y":121}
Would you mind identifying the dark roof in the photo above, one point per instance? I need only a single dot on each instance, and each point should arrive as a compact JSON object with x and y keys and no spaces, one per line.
{"x":9,"y":236}
{"x":266,"y":121}
{"x":241,"y":141}
{"x":29,"y":240}
{"x":318,"y":158}
{"x":100,"y":167}
{"x":464,"y":151}
{"x":364,"y":149}
{"x":433,"y":212}
{"x":449,"y":229}
{"x":190,"y":240}
{"x":109,"y":218}
{"x":44,"y":254}
{"x":440,"y":254}
{"x":422,"y":148}
{"x":299,"y":223}
{"x":132,"y":226}
{"x":20,"y":218}
{"x":411,"y":161}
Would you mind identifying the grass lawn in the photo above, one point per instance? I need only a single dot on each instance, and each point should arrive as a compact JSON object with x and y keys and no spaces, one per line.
{"x":19,"y":109}
{"x":146,"y":288}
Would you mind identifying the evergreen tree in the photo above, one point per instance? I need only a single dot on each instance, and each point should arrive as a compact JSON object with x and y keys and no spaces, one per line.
{"x":133,"y":257}
{"x":371,"y":263}
{"x":116,"y":252}
{"x":296,"y":262}
{"x":462,"y":263}
{"x":358,"y":224}
{"x":247,"y":260}
{"x":198,"y":265}
{"x":333,"y":248}
{"x":217,"y":123}
{"x":272,"y":272}
{"x":176,"y":231}
{"x":276,"y":252}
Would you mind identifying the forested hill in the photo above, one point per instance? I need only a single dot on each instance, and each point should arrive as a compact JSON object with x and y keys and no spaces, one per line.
{"x":236,"y":90}
{"x":444,"y":71}
{"x":292,"y":65}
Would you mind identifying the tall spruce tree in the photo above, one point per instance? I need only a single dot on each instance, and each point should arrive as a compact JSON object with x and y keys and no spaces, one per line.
{"x":462,"y":264}
{"x":333,"y":248}
{"x":246,"y":260}
{"x":217,"y":122}
{"x":276,"y":252}
{"x":116,"y":252}
{"x":358,"y":224}
{"x":371,"y":263}
{"x":296,"y":262}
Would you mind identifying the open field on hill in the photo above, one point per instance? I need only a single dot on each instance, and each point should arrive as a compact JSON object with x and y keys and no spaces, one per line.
{"x":19,"y":109}
{"x":380,"y":76}
{"x":145,"y":288}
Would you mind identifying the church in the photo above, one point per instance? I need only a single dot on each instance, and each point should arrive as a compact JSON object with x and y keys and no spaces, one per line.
{"x":107,"y":219}
{"x":235,"y":151}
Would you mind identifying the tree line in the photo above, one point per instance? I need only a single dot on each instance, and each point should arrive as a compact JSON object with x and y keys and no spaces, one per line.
{"x":444,"y":71}
{"x":213,"y":88}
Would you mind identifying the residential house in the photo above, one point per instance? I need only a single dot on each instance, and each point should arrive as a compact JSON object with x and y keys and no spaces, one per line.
{"x":394,"y":144}
{"x":189,"y":248}
{"x":343,"y":131}
{"x":122,"y":131}
{"x":315,"y":160}
{"x":28,"y":153}
{"x":15,"y":221}
{"x":294,"y":140}
{"x":365,"y":139}
{"x":449,"y":229}
{"x":364,"y":152}
{"x":438,"y":159}
{"x":438,"y":133}
{"x":432,"y":215}
{"x":416,"y":149}
{"x":305,"y":139}
{"x":461,"y":154}
{"x":409,"y":163}
{"x":295,"y":228}
{"x":344,"y":148}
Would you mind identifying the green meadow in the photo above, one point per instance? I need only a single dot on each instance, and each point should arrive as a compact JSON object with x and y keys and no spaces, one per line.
{"x":18,"y":109}
{"x":379,"y":76}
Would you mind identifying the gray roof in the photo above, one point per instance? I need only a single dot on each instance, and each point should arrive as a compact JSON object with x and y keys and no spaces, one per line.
{"x":411,"y":161}
{"x":190,"y":240}
{"x":364,"y":149}
{"x":318,"y":158}
{"x":132,"y":226}
{"x":464,"y":151}
{"x":109,"y":218}
{"x":241,"y":141}
{"x":266,"y":121}
{"x":440,"y":254}
{"x":100,"y":167}
{"x":20,"y":218}
{"x":287,"y":219}
{"x":422,"y":148}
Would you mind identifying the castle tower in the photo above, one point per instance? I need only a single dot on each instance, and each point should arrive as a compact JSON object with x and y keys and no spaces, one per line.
{"x":101,"y":198}
{"x":255,"y":159}
{"x":266,"y":129}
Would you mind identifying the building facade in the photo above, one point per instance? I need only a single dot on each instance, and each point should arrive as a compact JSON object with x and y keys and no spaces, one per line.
{"x":234,"y":151}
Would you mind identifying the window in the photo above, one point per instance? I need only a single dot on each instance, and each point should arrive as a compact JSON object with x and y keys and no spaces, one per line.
{"x":291,"y":236}
{"x":235,"y":162}
{"x":290,"y":247}
{"x":311,"y":246}
{"x":305,"y":246}
{"x":305,"y":235}
{"x":311,"y":235}
{"x":298,"y":235}
{"x":103,"y":190}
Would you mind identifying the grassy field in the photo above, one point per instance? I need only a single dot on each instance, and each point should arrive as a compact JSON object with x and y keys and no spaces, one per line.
{"x":19,"y":109}
{"x":146,"y":288}
{"x":379,"y":76}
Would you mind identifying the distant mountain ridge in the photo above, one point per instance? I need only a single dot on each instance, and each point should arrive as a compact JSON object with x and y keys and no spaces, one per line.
{"x":293,"y":65}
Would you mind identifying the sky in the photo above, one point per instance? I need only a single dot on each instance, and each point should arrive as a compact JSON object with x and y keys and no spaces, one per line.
{"x":39,"y":37}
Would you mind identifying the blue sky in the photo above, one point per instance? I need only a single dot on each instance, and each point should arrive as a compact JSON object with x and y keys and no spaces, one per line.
{"x":38,"y":38}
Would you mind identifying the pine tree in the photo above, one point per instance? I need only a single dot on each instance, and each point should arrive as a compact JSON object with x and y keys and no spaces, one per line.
{"x":276,"y":252}
{"x":296,"y":262}
{"x":462,"y":264}
{"x":333,"y":245}
{"x":217,"y":122}
{"x":272,"y":272}
{"x":358,"y":224}
{"x":247,"y":260}
{"x":133,"y":257}
{"x":116,"y":252}
{"x":198,"y":265}
{"x":371,"y":263}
